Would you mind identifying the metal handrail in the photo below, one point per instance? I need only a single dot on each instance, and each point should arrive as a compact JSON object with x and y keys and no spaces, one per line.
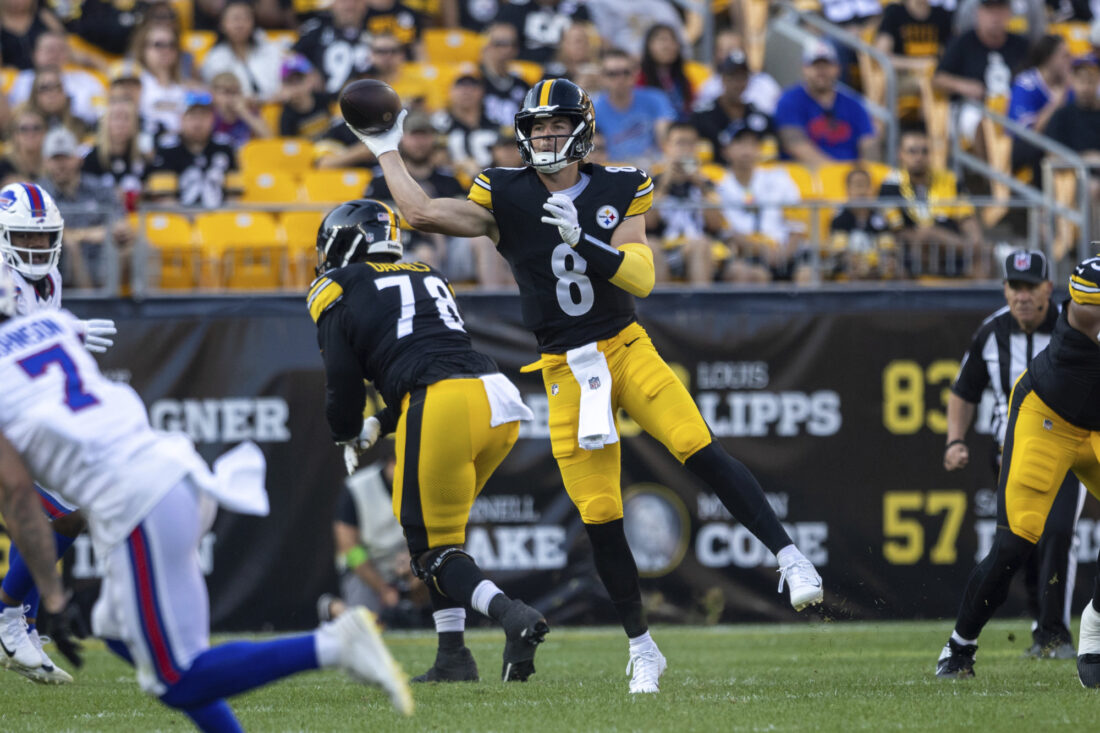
{"x":885,"y":113}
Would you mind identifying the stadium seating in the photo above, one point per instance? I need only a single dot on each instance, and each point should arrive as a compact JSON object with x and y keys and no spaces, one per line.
{"x":529,"y":71}
{"x":173,"y":254}
{"x":241,"y":250}
{"x":270,"y":186}
{"x":333,"y":185}
{"x":300,"y":232}
{"x":278,"y":153}
{"x":198,"y":43}
{"x":451,"y":45}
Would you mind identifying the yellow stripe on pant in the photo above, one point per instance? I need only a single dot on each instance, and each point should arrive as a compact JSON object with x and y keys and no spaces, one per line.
{"x":1041,"y":447}
{"x":643,"y":385}
{"x":446,"y":451}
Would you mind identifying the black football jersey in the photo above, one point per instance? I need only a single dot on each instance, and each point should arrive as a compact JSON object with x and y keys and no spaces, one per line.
{"x":338,"y":53}
{"x":1066,"y":374}
{"x":562,"y":305}
{"x":202,"y":176}
{"x":394,"y":324}
{"x":400,"y":21}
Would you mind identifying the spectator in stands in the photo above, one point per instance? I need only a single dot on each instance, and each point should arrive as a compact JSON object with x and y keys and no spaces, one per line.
{"x":418,"y":149}
{"x":541,"y":24}
{"x":235,"y":116}
{"x":504,"y":151}
{"x":199,"y":159}
{"x":337,"y":44}
{"x":859,"y":17}
{"x":681,"y":233}
{"x":599,"y":149}
{"x":978,"y":64}
{"x":1077,"y":124}
{"x":244,"y":52}
{"x":156,"y":47}
{"x":634,"y":119}
{"x":1037,"y":93}
{"x":663,"y":68}
{"x":576,"y":50}
{"x":819,"y":122}
{"x":387,"y":56}
{"x":21,"y":23}
{"x":106,"y":24}
{"x":941,"y":236}
{"x":118,"y":160}
{"x":504,"y":90}
{"x":49,"y":99}
{"x":473,"y":15}
{"x":861,"y":242}
{"x":94,"y":218}
{"x":760,"y":237}
{"x":730,"y":108}
{"x":762,"y":91}
{"x":398,"y":20}
{"x":623,"y":24}
{"x":464,"y":125}
{"x":914,"y":34}
{"x":84,"y":90}
{"x":23,"y":162}
{"x":305,"y":110}
{"x":1070,"y":11}
{"x":1029,"y":16}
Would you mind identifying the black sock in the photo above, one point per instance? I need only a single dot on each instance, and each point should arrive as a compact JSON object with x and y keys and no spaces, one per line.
{"x":458,"y":577}
{"x":988,"y":585}
{"x":451,"y":641}
{"x":740,"y":493}
{"x":615,"y":565}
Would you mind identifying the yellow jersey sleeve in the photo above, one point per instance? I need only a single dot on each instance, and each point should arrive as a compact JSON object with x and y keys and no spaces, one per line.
{"x":322,"y":295}
{"x":481,"y":192}
{"x":643,"y":198}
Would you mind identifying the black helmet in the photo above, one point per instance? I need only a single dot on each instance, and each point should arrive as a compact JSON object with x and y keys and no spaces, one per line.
{"x":556,"y":98}
{"x":355,"y":229}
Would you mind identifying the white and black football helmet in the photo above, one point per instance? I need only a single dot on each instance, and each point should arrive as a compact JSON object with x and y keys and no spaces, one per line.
{"x":25,"y":207}
{"x":556,"y":98}
{"x":355,"y":229}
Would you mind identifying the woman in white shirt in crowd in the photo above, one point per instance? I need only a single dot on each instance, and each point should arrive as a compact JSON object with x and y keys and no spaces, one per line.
{"x":157,"y":48}
{"x":244,"y":52}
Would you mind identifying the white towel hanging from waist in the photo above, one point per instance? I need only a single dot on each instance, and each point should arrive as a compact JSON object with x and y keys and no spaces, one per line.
{"x":505,"y":404}
{"x":596,"y":426}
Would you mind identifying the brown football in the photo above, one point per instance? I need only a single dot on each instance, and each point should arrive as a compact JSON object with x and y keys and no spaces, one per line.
{"x":370,"y":106}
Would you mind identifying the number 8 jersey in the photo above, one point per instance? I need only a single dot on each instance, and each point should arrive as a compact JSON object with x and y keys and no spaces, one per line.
{"x":563,"y":305}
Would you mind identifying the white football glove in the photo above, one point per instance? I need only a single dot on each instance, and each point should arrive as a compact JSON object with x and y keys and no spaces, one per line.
{"x":386,"y":141}
{"x":353,"y":448}
{"x":96,"y":333}
{"x":563,"y":215}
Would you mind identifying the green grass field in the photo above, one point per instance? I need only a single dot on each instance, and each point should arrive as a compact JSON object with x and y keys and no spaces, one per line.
{"x":813,"y":677}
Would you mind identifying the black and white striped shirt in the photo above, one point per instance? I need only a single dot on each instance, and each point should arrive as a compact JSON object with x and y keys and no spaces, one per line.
{"x":998,"y":355}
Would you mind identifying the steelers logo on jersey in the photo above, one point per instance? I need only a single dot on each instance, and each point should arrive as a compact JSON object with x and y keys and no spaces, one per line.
{"x":607,"y":217}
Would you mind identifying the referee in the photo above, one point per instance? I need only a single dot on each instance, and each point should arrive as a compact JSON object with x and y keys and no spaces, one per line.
{"x":1002,"y":348}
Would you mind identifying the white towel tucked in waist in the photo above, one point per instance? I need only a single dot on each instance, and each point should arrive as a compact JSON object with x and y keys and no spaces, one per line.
{"x":596,"y":427}
{"x":505,"y":404}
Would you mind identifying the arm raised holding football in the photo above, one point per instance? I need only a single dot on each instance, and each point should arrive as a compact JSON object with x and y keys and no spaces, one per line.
{"x":367,"y":109}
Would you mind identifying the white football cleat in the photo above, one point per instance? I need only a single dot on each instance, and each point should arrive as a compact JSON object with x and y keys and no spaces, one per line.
{"x":364,"y":656}
{"x":48,"y":673}
{"x":802,"y":581}
{"x":1088,"y":647}
{"x":648,"y":665}
{"x":19,"y":653}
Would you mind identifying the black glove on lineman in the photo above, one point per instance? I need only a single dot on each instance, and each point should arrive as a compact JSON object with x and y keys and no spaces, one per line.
{"x":64,"y":628}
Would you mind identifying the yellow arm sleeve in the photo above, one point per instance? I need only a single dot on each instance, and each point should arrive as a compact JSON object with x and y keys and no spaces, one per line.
{"x":635,"y":274}
{"x":481,"y":192}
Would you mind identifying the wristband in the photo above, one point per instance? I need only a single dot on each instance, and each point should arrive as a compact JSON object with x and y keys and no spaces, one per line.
{"x":355,"y":557}
{"x":956,"y":441}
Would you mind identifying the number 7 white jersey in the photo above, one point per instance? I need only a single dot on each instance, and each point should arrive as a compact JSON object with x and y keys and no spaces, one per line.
{"x":84,"y":436}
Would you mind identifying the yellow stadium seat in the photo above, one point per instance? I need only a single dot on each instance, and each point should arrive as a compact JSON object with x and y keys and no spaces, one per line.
{"x":162,"y":183}
{"x":173,"y":254}
{"x":241,"y":250}
{"x":451,"y":45}
{"x":80,"y":47}
{"x":198,"y":43}
{"x":425,"y":81}
{"x":185,"y":11}
{"x":529,"y":71}
{"x":333,"y":185}
{"x":1076,"y":35}
{"x":7,"y":78}
{"x":286,"y":39}
{"x":807,"y":187}
{"x":697,"y":73}
{"x":277,"y":153}
{"x":270,"y":187}
{"x":300,"y":228}
{"x":270,"y":113}
{"x":714,"y":172}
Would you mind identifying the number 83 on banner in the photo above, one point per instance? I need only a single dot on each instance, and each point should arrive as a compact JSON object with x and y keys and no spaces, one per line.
{"x":904,"y":402}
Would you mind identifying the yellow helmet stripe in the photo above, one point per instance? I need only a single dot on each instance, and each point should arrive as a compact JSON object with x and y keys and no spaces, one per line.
{"x":544,"y":93}
{"x":392,"y":232}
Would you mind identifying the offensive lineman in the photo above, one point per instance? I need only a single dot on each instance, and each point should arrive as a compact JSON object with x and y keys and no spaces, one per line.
{"x":578,"y":277}
{"x":148,"y":497}
{"x":1053,"y":427}
{"x":455,"y":415}
{"x":31,"y":231}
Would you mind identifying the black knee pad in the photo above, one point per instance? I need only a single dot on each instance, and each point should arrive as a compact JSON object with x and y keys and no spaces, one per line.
{"x":427,"y":565}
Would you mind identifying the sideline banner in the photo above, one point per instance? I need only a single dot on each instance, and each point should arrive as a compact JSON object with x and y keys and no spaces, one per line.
{"x":835,"y":400}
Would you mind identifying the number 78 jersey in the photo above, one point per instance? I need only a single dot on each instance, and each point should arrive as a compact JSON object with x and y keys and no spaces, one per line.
{"x":563,"y":304}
